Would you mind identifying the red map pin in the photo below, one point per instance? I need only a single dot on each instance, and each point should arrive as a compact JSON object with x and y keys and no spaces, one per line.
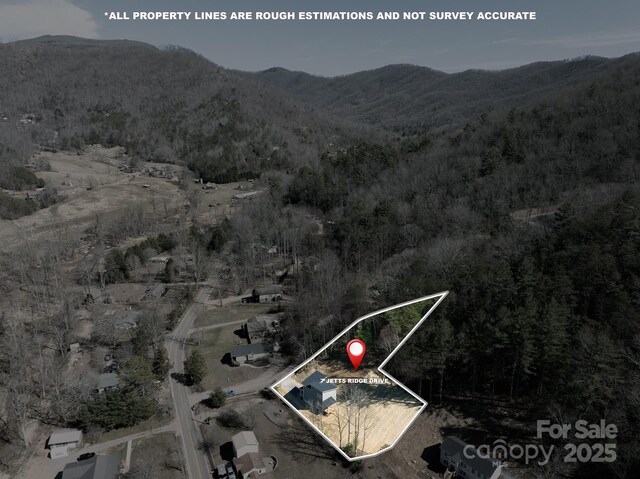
{"x":356,"y":349}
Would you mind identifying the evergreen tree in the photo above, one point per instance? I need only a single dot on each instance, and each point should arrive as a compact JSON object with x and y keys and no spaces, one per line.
{"x":195,"y":367}
{"x":161,"y":365}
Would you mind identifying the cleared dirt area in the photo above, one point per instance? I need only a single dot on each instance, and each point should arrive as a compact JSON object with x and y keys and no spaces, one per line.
{"x":383,"y":413}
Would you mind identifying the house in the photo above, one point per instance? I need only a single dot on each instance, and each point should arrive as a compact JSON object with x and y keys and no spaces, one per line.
{"x":250,"y":465}
{"x":246,"y":196}
{"x":248,"y":352}
{"x":463,"y":460}
{"x":107,"y":382}
{"x":161,"y":258}
{"x":97,"y":467}
{"x":155,"y":291}
{"x":127,"y":320}
{"x":266,"y":294}
{"x":318,"y":394}
{"x":38,"y":194}
{"x":260,"y":326}
{"x":62,"y":441}
{"x":244,"y":442}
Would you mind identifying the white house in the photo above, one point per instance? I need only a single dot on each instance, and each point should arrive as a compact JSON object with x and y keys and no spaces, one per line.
{"x":62,"y":441}
{"x":248,"y":352}
{"x":244,"y":442}
{"x":266,"y":294}
{"x":318,"y":394}
{"x":463,"y":460}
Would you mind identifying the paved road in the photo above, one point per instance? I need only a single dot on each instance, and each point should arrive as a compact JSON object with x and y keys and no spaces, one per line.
{"x":195,"y":459}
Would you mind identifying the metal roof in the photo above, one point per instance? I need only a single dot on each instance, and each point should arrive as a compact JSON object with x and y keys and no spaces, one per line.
{"x":246,"y":349}
{"x":273,"y":289}
{"x":244,"y":438}
{"x":313,"y":381}
{"x":65,"y":436}
{"x":107,"y":380}
{"x":98,"y":467}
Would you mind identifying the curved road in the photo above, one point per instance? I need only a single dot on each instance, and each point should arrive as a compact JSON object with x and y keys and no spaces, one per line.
{"x":196,"y":463}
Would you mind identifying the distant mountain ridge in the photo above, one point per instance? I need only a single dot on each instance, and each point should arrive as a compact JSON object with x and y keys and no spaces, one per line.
{"x":401,"y":96}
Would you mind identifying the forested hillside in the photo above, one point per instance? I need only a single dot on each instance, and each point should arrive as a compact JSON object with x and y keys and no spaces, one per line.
{"x":165,"y":105}
{"x":518,"y":191}
{"x":409,"y":98}
{"x":530,"y":218}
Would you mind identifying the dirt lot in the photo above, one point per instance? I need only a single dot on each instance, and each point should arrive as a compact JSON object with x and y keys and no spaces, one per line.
{"x":387,"y":410}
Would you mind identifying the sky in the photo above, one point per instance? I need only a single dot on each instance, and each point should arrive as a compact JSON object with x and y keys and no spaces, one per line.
{"x":564,"y":29}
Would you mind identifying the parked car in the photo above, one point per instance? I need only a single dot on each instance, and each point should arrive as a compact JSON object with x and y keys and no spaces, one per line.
{"x":220,"y":471}
{"x":230,"y":472}
{"x":229,"y":393}
{"x":85,"y":456}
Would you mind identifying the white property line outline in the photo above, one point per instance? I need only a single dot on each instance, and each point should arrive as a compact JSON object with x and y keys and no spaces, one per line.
{"x":440,"y":297}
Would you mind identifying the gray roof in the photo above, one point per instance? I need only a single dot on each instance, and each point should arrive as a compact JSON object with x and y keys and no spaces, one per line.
{"x":246,"y":349}
{"x":129,"y":317}
{"x":273,"y":289}
{"x":328,"y":402}
{"x":156,"y":290}
{"x":313,"y":381}
{"x":98,"y":467}
{"x":107,"y":380}
{"x":65,"y":436}
{"x":454,"y":449}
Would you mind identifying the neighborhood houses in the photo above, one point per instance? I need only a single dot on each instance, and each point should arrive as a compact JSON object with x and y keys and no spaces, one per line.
{"x":466,"y":463}
{"x":248,"y":461}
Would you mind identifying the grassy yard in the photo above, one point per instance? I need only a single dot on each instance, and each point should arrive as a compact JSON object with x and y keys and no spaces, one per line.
{"x":158,"y":455}
{"x":214,"y":345}
{"x":232,"y":312}
{"x":153,"y":422}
